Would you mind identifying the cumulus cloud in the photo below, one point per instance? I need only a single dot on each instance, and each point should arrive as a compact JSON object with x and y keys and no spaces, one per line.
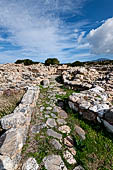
{"x":101,"y":39}
{"x":37,"y":26}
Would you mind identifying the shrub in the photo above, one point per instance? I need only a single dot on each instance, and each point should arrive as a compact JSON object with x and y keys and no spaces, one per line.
{"x":26,"y":62}
{"x":52,"y":61}
{"x":77,"y":63}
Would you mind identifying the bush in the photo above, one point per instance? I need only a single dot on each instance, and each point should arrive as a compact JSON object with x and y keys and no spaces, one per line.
{"x":77,"y":63}
{"x":26,"y":62}
{"x":52,"y":61}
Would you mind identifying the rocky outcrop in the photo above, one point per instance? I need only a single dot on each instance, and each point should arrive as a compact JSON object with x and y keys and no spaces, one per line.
{"x":93,"y":105}
{"x":16,"y":126}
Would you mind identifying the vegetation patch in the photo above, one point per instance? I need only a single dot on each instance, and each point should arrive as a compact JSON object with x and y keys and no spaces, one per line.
{"x":96,"y":151}
{"x":9,"y":100}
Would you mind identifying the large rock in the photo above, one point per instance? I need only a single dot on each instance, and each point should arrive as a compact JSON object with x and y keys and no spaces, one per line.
{"x":54,"y":162}
{"x":30,"y":164}
{"x":6,"y":163}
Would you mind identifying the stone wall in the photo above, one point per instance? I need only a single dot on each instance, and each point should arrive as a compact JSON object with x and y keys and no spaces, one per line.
{"x":94,"y":106}
{"x":16,"y":127}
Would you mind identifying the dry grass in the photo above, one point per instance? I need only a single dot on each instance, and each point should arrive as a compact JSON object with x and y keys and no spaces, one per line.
{"x":9,"y":100}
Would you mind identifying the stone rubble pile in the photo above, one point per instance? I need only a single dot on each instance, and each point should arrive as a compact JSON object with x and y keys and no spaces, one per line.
{"x":16,"y":126}
{"x":93,"y":105}
{"x":20,"y":76}
{"x":85,"y":78}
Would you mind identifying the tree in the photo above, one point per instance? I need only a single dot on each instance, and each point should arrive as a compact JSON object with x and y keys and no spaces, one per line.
{"x":77,"y":63}
{"x":26,"y":62}
{"x":52,"y":61}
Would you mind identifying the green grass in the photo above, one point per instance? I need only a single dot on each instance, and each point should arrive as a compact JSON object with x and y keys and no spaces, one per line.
{"x":96,"y":151}
{"x":93,"y":153}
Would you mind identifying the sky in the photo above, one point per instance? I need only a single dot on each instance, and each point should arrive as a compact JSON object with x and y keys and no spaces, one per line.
{"x":69,"y":30}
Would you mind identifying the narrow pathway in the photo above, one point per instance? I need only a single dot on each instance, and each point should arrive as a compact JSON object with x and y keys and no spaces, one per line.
{"x":50,"y":141}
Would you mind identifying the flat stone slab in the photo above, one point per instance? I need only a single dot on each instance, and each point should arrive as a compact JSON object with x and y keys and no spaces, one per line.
{"x":54,"y":134}
{"x":37,"y":128}
{"x":80,"y":132}
{"x":54,"y":162}
{"x":64,"y":129}
{"x":53,"y":115}
{"x":30,"y":164}
{"x":56,"y":144}
{"x":69,"y":157}
{"x":51,"y":122}
{"x":62,"y":114}
{"x":61,"y":121}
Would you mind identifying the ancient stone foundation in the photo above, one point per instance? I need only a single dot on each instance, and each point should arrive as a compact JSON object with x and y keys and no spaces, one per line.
{"x":16,"y":126}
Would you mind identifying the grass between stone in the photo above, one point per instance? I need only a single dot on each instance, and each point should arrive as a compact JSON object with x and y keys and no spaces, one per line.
{"x":96,"y":151}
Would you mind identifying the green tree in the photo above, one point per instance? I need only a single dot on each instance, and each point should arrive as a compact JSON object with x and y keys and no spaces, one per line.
{"x":52,"y":61}
{"x":77,"y":63}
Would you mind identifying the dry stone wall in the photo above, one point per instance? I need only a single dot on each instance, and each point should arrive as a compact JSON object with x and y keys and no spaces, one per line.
{"x":16,"y":126}
{"x":93,"y":105}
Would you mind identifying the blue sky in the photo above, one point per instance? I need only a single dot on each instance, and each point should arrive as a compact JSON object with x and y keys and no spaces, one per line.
{"x":69,"y":30}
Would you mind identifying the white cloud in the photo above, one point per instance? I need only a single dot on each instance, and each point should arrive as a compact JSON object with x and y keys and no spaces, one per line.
{"x":81,"y":37}
{"x":101,"y":39}
{"x":36,"y":27}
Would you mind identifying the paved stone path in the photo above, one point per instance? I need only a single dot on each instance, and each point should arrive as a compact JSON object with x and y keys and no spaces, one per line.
{"x":49,"y":140}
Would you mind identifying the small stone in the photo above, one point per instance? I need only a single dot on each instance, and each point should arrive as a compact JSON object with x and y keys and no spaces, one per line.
{"x":56,"y":109}
{"x":69,"y":157}
{"x":54,"y":134}
{"x":64,"y":129}
{"x":54,"y":162}
{"x":37,"y":128}
{"x":78,"y":168}
{"x":30,"y":164}
{"x":41,"y":109}
{"x":63,"y":114}
{"x":72,"y":150}
{"x":51,"y":122}
{"x":47,"y":116}
{"x":68,"y":141}
{"x":56,"y":144}
{"x":61,"y":121}
{"x":53,"y":115}
{"x":80,"y":132}
{"x":48,"y":108}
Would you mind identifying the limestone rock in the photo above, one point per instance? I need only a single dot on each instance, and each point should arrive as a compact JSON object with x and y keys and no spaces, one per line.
{"x":69,"y":157}
{"x":6,"y":163}
{"x":80,"y":132}
{"x":51,"y":122}
{"x":54,"y":162}
{"x":56,"y":144}
{"x":30,"y":164}
{"x":62,"y":114}
{"x":64,"y":129}
{"x":61,"y":121}
{"x":54,"y":134}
